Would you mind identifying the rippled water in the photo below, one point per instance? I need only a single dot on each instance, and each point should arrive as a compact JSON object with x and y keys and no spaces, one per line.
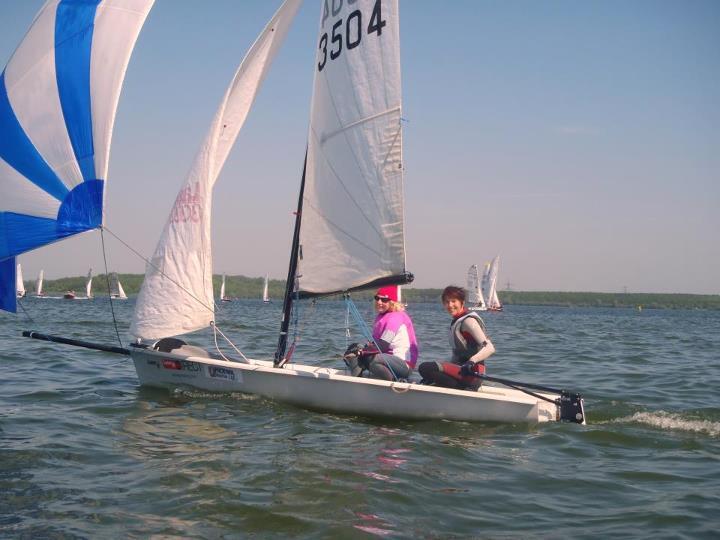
{"x":86,"y":453}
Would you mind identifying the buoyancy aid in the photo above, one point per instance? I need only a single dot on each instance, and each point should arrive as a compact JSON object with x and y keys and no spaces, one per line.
{"x":462,"y":342}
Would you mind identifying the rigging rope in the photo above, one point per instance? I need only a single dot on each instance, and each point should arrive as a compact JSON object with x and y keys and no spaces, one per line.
{"x":147,"y":261}
{"x":217,"y":331}
{"x":107,"y":279}
{"x":347,"y":324}
{"x":25,"y":311}
{"x":298,"y":324}
{"x":365,"y":330}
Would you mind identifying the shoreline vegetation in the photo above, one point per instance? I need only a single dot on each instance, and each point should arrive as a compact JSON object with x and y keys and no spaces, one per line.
{"x":243,"y":287}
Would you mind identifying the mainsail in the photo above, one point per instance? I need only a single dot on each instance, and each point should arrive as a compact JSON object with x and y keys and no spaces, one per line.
{"x":266,"y":296}
{"x":177,"y":295}
{"x":493,"y":301}
{"x":352,"y":233}
{"x":58,"y":97}
{"x":117,"y":290}
{"x":20,"y":284}
{"x":121,"y":291}
{"x":222,"y":288}
{"x":484,"y":285}
{"x":475,"y":295}
{"x":39,"y":283}
{"x":88,"y":284}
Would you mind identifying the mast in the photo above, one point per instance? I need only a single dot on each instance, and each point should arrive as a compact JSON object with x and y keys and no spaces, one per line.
{"x":292,"y":271}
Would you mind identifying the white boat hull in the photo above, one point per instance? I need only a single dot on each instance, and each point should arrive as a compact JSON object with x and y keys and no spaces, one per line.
{"x":327,"y":389}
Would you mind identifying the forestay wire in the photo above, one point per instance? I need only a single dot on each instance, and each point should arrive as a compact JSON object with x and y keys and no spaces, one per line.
{"x":107,"y":279}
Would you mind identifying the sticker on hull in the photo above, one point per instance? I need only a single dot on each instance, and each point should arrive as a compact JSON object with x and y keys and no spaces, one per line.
{"x":217,"y":372}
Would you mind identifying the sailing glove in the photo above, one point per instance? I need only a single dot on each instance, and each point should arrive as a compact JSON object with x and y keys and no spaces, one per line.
{"x":467,"y":369}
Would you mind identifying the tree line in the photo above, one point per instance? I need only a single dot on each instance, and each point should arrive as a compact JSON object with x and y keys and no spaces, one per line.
{"x":243,"y":287}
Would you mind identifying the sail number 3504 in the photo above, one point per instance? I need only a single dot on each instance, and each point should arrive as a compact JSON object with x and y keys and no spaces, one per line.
{"x":348,"y":34}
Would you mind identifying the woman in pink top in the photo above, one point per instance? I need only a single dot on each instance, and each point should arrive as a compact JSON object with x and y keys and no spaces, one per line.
{"x":395,"y":336}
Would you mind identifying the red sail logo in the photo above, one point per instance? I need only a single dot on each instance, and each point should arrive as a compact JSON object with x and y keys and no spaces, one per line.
{"x":188,"y":205}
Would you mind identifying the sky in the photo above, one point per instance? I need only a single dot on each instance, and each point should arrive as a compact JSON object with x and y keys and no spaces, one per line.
{"x":580,"y":141}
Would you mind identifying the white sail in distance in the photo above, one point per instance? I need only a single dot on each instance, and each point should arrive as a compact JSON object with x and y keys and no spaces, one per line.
{"x":484,"y":286}
{"x":475,"y":295}
{"x":117,"y":290}
{"x":222,"y":288}
{"x":265,"y":296}
{"x":352,"y":231}
{"x":492,"y":297}
{"x":39,"y":283}
{"x":88,"y":284}
{"x":19,"y":283}
{"x":177,"y":294}
{"x":121,"y":291}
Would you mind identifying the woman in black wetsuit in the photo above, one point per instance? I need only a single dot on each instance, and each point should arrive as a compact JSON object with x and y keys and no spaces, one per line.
{"x":470,"y":347}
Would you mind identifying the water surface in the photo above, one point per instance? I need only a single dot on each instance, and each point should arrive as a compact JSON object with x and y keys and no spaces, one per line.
{"x":86,"y":452}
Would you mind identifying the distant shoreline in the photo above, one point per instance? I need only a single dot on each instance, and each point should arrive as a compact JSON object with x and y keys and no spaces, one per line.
{"x":243,"y":287}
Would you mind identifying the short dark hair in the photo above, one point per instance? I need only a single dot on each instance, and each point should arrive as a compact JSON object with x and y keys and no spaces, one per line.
{"x":451,"y":291}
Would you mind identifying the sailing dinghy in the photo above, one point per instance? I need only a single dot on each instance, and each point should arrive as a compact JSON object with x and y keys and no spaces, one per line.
{"x":475,"y":299}
{"x":223,"y":298}
{"x":39,"y":284}
{"x":117,"y":292}
{"x":71,"y":295}
{"x":493,"y":302}
{"x":349,"y":235}
{"x":20,"y":284}
{"x":266,"y":296}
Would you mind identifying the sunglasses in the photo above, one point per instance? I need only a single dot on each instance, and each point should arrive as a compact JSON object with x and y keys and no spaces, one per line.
{"x":381,"y":299}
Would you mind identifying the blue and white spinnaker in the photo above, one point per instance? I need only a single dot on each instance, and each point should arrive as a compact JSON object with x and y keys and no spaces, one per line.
{"x":58,"y":97}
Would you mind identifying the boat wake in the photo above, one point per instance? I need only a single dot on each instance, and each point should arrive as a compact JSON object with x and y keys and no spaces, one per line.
{"x":192,"y":393}
{"x":673,"y":421}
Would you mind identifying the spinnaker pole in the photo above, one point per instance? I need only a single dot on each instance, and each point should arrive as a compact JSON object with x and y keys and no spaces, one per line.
{"x":292,"y":271}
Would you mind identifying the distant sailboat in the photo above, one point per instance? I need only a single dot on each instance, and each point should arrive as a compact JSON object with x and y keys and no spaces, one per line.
{"x":484,"y":281}
{"x":20,"y":285}
{"x":121,"y":291}
{"x":117,"y":291}
{"x":493,"y":302}
{"x":223,"y":298}
{"x":88,"y":285}
{"x":265,"y":297}
{"x":72,"y":295}
{"x":475,"y":300}
{"x":39,"y":284}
